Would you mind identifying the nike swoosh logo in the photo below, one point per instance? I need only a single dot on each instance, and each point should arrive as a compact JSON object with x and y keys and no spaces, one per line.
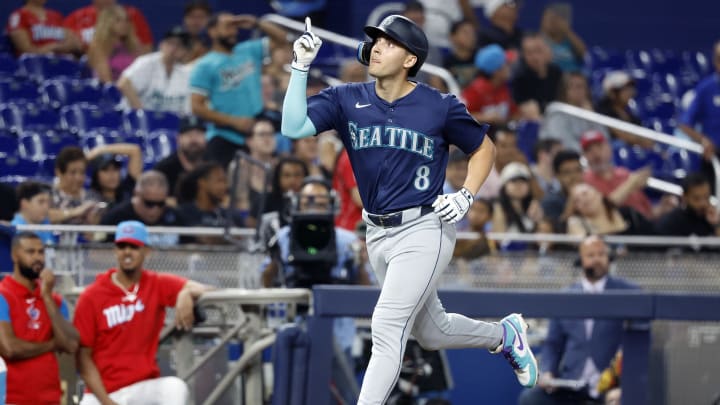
{"x":358,"y":105}
{"x":517,"y":341}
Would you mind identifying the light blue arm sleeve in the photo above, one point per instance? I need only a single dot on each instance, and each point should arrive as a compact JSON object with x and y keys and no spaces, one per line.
{"x":4,"y":310}
{"x":295,"y":122}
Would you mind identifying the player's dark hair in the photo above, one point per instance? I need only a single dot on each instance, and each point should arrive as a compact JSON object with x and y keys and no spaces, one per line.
{"x":68,"y":155}
{"x":187,"y":188}
{"x":29,"y":189}
{"x":512,"y":216}
{"x":22,"y":235}
{"x":564,"y":156}
{"x":544,"y":145}
{"x":693,"y":180}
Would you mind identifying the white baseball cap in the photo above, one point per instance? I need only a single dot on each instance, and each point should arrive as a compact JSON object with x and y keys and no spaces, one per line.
{"x":514,"y":170}
{"x":616,"y":79}
{"x":492,"y":5}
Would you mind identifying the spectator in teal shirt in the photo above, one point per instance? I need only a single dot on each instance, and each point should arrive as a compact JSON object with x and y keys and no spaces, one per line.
{"x":225,"y":84}
{"x":34,"y":201}
{"x":567,"y":47}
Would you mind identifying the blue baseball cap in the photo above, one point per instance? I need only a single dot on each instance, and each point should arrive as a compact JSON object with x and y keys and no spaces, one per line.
{"x":490,"y":58}
{"x":133,"y":232}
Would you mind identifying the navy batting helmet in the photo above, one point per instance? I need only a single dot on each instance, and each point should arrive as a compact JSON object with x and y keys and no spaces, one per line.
{"x":402,"y":30}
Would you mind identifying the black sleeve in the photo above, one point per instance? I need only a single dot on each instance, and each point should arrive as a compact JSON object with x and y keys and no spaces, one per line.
{"x":521,"y":91}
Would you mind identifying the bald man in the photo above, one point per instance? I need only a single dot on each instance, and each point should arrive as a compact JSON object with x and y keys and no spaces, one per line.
{"x":580,"y":349}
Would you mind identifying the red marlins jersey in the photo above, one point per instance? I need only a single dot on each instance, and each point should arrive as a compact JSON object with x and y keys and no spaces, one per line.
{"x":344,"y":181}
{"x":36,"y":380}
{"x":83,"y":20}
{"x":123,"y":330}
{"x":42,"y":31}
{"x":482,"y":97}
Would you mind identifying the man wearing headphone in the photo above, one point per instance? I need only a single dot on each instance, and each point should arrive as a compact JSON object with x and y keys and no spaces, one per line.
{"x":576,"y":351}
{"x":313,"y":208}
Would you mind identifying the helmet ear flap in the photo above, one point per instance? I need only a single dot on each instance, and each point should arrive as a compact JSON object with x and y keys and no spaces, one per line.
{"x":363,"y":52}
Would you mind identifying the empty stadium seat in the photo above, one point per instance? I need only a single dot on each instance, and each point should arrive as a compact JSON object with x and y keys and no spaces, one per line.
{"x":99,"y":137}
{"x":28,"y":117}
{"x":146,"y":121}
{"x":17,"y":91}
{"x":8,"y":145}
{"x":17,"y":166}
{"x":607,"y":58}
{"x":46,"y":144}
{"x":59,"y":93}
{"x":159,"y":144}
{"x":81,"y":118}
{"x":31,"y":146}
{"x":8,"y":65}
{"x":44,"y":67}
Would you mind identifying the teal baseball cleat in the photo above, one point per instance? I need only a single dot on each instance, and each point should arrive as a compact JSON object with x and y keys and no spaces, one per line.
{"x":517,"y":351}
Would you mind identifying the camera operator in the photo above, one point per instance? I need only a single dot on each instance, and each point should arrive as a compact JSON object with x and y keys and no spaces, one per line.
{"x":311,"y":250}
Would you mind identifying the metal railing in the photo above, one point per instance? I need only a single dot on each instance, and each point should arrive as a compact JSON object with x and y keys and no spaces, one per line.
{"x":352,"y":43}
{"x":643,"y":132}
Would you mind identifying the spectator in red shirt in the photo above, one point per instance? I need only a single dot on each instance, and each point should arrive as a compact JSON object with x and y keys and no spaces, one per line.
{"x":33,"y":325}
{"x":35,"y":29}
{"x":621,"y":186}
{"x":119,"y":318}
{"x":82,"y":21}
{"x":488,"y":96}
{"x":345,"y":185}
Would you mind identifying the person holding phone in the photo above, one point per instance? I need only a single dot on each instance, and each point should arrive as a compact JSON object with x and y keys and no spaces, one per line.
{"x":567,"y":47}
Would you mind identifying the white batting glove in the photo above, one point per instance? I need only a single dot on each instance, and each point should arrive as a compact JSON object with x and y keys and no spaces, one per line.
{"x":451,"y":208}
{"x":305,"y":48}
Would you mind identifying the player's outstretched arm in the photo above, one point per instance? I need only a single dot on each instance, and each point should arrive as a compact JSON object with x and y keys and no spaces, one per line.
{"x":295,"y":122}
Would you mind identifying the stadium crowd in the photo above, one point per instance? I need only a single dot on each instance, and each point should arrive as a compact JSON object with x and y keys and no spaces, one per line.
{"x":139,"y":130}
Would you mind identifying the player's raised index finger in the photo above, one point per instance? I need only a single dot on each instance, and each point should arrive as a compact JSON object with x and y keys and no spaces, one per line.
{"x":308,"y":24}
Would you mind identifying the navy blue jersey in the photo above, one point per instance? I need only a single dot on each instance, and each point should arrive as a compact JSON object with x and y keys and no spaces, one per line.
{"x":398,"y":150}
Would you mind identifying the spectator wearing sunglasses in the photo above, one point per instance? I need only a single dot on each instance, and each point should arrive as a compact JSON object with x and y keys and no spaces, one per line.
{"x":148,"y":205}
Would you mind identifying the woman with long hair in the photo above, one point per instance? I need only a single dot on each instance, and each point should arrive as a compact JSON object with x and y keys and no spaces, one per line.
{"x":590,"y":213}
{"x":516,"y":210}
{"x":114,"y":45}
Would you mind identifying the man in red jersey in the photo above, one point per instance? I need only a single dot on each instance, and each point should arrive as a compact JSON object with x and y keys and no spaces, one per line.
{"x":119,"y":318}
{"x":82,"y":22}
{"x":35,"y":29}
{"x":345,"y":185}
{"x":33,"y":325}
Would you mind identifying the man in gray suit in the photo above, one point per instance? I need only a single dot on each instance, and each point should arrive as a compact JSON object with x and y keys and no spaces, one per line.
{"x":580,"y":349}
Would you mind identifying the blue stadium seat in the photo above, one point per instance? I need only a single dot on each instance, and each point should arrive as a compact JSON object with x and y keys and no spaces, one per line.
{"x":662,"y":106}
{"x":111,"y":95}
{"x":682,"y":162}
{"x":82,"y":117}
{"x":607,"y":58}
{"x":527,"y":136}
{"x":59,"y":93}
{"x":19,"y":92}
{"x":31,"y":146}
{"x":28,"y":117}
{"x":8,"y":145}
{"x":98,"y":137}
{"x":665,"y":126}
{"x":638,"y":59}
{"x":17,"y":166}
{"x":146,"y":121}
{"x":698,"y":62}
{"x":666,"y":61}
{"x":44,"y":67}
{"x":159,"y":144}
{"x":54,"y":142}
{"x":8,"y":65}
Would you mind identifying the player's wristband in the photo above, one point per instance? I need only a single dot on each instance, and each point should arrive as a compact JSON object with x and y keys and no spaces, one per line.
{"x":467,"y":194}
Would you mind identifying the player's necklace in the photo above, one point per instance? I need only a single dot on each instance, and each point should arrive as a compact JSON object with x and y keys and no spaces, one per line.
{"x":129,"y":295}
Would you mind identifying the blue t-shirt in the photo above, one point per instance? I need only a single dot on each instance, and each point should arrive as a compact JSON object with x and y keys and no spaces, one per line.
{"x":705,"y":108}
{"x":398,"y":150}
{"x":5,"y":309}
{"x":564,"y":57}
{"x":47,"y":237}
{"x":231,"y":82}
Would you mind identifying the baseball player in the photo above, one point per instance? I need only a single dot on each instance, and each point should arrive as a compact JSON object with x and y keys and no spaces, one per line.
{"x":397,"y":134}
